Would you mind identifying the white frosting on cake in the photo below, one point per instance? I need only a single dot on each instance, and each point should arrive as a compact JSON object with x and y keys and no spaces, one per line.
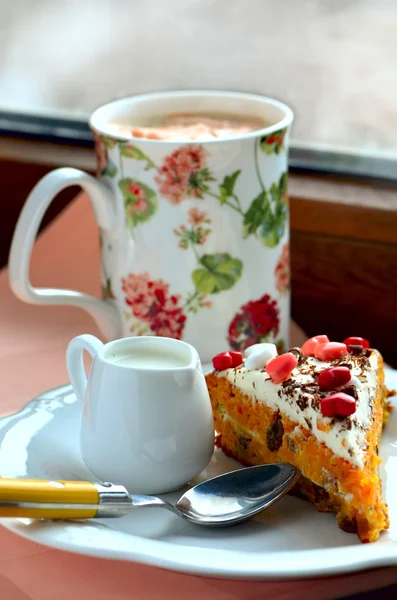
{"x":347,"y":436}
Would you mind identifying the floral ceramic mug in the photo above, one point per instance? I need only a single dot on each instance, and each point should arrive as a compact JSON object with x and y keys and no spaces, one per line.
{"x":194,"y":235}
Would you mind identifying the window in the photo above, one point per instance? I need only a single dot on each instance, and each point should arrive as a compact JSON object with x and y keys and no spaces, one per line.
{"x":332,"y":61}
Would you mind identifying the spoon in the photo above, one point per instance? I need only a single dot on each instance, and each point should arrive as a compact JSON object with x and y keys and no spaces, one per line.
{"x":224,"y":500}
{"x":235,"y":496}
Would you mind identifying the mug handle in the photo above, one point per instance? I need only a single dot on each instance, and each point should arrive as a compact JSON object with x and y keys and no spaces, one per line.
{"x":109,"y":214}
{"x":75,"y":363}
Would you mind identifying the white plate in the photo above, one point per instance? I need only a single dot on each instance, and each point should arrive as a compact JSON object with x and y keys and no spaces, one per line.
{"x":291,"y":539}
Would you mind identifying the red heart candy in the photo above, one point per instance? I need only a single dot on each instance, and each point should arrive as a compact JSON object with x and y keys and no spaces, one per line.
{"x":356,"y":341}
{"x":330,"y":351}
{"x":333,"y":377}
{"x":345,"y":405}
{"x":222,"y":361}
{"x":327,"y":407}
{"x":237,"y":358}
{"x":281,"y":367}
{"x":310,"y":345}
{"x":338,"y":405}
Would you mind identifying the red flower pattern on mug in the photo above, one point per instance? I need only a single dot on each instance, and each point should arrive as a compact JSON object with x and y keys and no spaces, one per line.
{"x":257,"y":321}
{"x":195,"y":217}
{"x":198,"y":233}
{"x":184,"y":174}
{"x":140,"y":203}
{"x":150,"y":301}
{"x":282,"y":271}
{"x":274,"y":142}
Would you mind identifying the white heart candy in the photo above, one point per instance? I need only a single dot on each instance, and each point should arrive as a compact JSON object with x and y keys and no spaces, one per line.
{"x":261,"y":347}
{"x":260,"y":358}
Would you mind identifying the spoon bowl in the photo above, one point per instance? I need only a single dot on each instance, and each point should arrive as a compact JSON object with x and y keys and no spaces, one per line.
{"x":236,"y":496}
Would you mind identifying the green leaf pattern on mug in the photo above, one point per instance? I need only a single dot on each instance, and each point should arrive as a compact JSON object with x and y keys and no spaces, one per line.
{"x":107,"y":291}
{"x":110,"y":170}
{"x":131,"y":151}
{"x":219,"y":272}
{"x":108,"y":142}
{"x":267,"y":214}
{"x":140,"y":201}
{"x":226,"y":188}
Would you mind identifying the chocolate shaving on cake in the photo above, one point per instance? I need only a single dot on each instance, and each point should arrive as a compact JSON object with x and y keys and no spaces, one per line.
{"x":306,"y":369}
{"x":309,"y":388}
{"x":356,"y":350}
{"x":351,"y":390}
{"x":289,"y":386}
{"x":316,"y":399}
{"x":289,"y":382}
{"x":362,"y":361}
{"x":299,"y":355}
{"x":303,"y":402}
{"x":345,"y":423}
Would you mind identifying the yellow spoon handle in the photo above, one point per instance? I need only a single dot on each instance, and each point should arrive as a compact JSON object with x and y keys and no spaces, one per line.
{"x":39,"y":498}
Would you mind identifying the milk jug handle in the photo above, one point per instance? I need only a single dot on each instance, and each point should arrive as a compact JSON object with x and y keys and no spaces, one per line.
{"x":75,"y":363}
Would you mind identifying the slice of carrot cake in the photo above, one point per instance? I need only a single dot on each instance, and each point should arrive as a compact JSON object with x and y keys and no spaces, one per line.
{"x":321,"y":408}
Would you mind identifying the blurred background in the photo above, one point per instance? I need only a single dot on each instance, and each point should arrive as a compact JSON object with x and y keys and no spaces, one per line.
{"x":333,"y":61}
